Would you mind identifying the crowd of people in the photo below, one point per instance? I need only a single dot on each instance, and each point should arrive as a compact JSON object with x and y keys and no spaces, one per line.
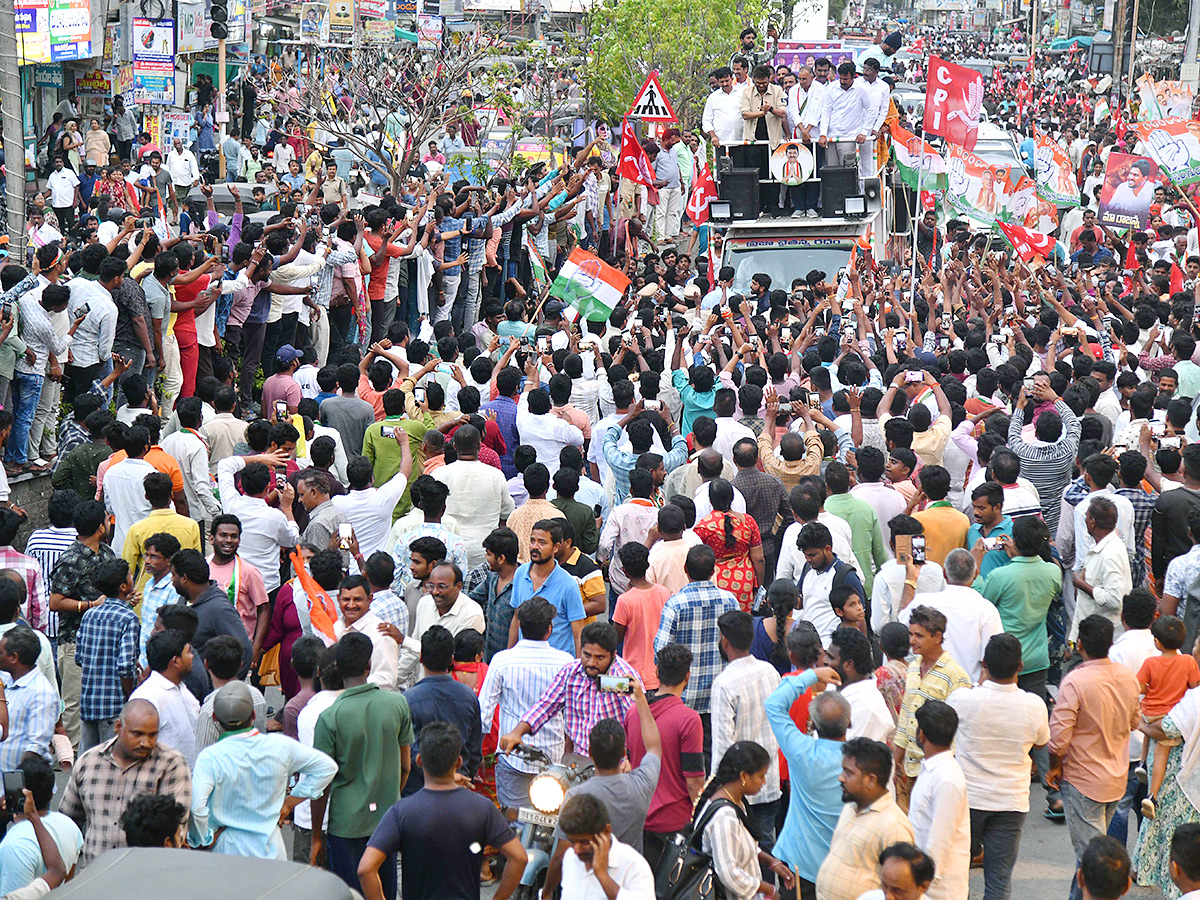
{"x":809,"y":579}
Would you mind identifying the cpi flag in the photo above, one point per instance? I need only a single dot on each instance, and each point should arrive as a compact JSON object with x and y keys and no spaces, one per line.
{"x":1055,"y":175}
{"x":1174,"y":144}
{"x":984,"y":193}
{"x":635,"y":164}
{"x":593,"y":289}
{"x":953,"y":101}
{"x":1128,"y":190}
{"x":1027,"y":243}
{"x":702,"y":194}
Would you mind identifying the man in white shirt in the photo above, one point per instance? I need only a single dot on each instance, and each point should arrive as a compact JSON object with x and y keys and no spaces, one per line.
{"x":1098,"y":474}
{"x":62,"y":190}
{"x":1104,"y":578}
{"x":729,"y":429}
{"x":265,"y":530}
{"x":92,"y":298}
{"x":971,"y":621}
{"x":843,"y":128}
{"x":938,"y":808}
{"x":880,"y":93}
{"x":998,"y":724}
{"x":849,"y":654}
{"x":354,"y":600}
{"x":544,"y":430}
{"x":597,"y":863}
{"x":479,"y":498}
{"x":369,"y":509}
{"x":1131,"y":649}
{"x":447,"y":604}
{"x":905,"y":873}
{"x":185,"y":173}
{"x":722,"y":117}
{"x":170,"y":658}
{"x":124,"y":490}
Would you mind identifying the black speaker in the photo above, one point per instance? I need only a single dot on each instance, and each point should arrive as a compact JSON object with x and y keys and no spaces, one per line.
{"x":838,"y":183}
{"x":902,"y":197}
{"x":740,"y":188}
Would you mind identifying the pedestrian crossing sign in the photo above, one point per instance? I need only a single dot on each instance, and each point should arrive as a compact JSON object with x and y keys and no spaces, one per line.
{"x":651,"y":103}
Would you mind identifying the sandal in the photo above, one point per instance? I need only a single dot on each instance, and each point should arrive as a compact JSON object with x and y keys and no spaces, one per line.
{"x":36,"y":469}
{"x":13,"y":470}
{"x":1055,"y":813}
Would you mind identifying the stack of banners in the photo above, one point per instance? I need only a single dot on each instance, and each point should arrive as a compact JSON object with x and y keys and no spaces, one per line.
{"x":1055,"y":175}
{"x":591,"y":288}
{"x":986,"y":194}
{"x":1128,"y":190}
{"x":1027,"y":243}
{"x":1174,"y":144}
{"x":1163,"y":99}
{"x":913,"y":154}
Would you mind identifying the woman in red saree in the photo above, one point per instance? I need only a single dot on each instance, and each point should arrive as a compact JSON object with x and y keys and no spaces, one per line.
{"x":735,"y":539}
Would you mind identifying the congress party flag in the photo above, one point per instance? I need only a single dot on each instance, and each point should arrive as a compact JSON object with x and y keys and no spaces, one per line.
{"x":536,"y":265}
{"x":703,"y":193}
{"x":1173,"y":143}
{"x":913,"y":154}
{"x":591,"y":288}
{"x":953,"y":102}
{"x":984,"y":193}
{"x":1027,"y":244}
{"x":1055,"y":175}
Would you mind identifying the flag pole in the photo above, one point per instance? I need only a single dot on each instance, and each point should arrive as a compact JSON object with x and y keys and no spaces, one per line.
{"x":912,"y":278}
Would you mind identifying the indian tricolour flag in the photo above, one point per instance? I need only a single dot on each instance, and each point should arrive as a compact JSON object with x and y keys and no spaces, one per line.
{"x":912,"y":154}
{"x":536,"y":263}
{"x":591,"y":288}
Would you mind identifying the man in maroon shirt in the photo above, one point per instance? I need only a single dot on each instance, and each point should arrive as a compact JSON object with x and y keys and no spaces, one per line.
{"x":682,"y":775}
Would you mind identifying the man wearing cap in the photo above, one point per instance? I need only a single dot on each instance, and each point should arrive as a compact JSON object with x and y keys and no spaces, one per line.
{"x":240,"y":784}
{"x":883,"y":51}
{"x":282,"y":386}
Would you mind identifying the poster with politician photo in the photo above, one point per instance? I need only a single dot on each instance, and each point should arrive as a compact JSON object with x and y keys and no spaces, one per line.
{"x":1128,"y":190}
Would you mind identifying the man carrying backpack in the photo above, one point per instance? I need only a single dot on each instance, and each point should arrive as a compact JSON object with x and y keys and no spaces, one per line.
{"x":822,"y":572}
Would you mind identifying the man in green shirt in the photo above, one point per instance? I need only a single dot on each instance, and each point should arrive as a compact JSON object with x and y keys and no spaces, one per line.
{"x":866,"y":535}
{"x":368,"y":733}
{"x":1023,"y":591}
{"x":383,"y":451}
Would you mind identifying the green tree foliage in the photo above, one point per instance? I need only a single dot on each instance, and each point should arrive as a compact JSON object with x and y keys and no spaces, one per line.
{"x":683,"y":39}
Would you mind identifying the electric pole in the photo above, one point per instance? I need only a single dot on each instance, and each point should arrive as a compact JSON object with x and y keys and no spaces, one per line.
{"x":13,"y":131}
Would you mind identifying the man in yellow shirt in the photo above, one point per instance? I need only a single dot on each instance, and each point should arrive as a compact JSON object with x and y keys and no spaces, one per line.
{"x":945,"y":527}
{"x":162,"y":520}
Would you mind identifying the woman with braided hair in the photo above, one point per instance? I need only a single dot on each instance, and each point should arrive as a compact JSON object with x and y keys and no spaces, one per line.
{"x":735,"y":539}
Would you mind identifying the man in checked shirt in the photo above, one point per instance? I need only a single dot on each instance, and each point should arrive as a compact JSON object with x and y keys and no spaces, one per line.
{"x":577,"y":694}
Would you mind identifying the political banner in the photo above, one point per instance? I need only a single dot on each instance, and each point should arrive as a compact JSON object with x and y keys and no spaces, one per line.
{"x":1174,"y":144}
{"x":154,"y":61}
{"x":953,"y":102}
{"x":1163,"y":99}
{"x":984,"y":193}
{"x":314,"y":22}
{"x":429,"y":32}
{"x":1055,"y":176}
{"x":1128,"y":190}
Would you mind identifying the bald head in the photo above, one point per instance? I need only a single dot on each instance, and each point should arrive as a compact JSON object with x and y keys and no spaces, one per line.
{"x":709,"y":464}
{"x":137,"y":710}
{"x":136,"y":731}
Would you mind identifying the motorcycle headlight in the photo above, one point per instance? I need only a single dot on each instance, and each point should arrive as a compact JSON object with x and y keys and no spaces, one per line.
{"x":546,"y":792}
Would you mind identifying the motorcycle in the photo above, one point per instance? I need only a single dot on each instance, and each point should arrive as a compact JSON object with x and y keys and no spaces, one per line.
{"x":536,"y":823}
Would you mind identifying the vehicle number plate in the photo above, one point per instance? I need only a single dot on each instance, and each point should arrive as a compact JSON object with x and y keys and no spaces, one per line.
{"x":533,"y":817}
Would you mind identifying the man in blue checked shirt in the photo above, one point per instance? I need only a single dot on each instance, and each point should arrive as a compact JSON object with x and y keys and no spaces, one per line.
{"x":159,"y":590}
{"x":690,"y":618}
{"x":107,"y":650}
